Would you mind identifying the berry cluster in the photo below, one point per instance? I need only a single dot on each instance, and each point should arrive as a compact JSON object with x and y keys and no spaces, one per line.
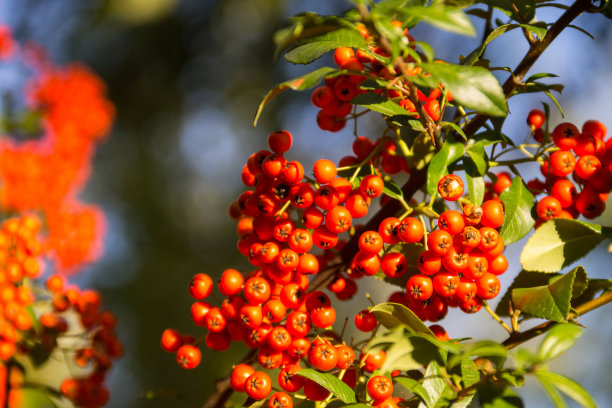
{"x":334,"y":98}
{"x":39,"y":177}
{"x":282,"y":221}
{"x":460,"y":265}
{"x":578,"y":175}
{"x":19,"y":251}
{"x":45,"y":173}
{"x":99,"y":343}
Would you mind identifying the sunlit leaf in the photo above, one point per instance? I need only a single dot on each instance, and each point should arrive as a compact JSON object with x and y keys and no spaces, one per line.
{"x":558,"y":243}
{"x":330,"y":383}
{"x":306,"y":81}
{"x":518,"y":202}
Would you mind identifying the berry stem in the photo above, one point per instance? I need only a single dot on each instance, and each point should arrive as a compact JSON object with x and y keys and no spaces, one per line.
{"x":486,"y":306}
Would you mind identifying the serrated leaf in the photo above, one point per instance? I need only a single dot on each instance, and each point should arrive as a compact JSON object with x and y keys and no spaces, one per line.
{"x":473,"y":87}
{"x":469,"y":372}
{"x":330,"y":383}
{"x":394,"y":314}
{"x":313,"y":48}
{"x":434,"y":384}
{"x":525,"y":279}
{"x":518,"y":202}
{"x":451,"y":151}
{"x":306,"y":81}
{"x":392,"y":190}
{"x":568,"y":387}
{"x":550,"y":302}
{"x":559,"y":339}
{"x":379,"y":103}
{"x":446,"y":18}
{"x":558,"y":243}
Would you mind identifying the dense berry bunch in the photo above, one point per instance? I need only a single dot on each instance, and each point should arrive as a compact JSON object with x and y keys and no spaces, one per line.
{"x":19,"y":251}
{"x":45,"y":174}
{"x":459,"y":268}
{"x":578,"y":173}
{"x":290,"y":227}
{"x":334,"y":98}
{"x":41,"y":176}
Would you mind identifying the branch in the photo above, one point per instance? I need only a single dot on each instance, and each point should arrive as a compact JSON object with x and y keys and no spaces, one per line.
{"x":518,"y":338}
{"x":534,"y":52}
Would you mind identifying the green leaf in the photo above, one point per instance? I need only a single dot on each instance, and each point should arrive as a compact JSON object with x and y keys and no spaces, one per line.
{"x":469,"y":372}
{"x":518,"y":202}
{"x":559,"y":339}
{"x":298,"y":84}
{"x":490,"y":137}
{"x":538,"y":29}
{"x":434,"y":384}
{"x":379,"y":103}
{"x":330,"y":383}
{"x":497,"y":395}
{"x":477,"y":154}
{"x":558,"y":243}
{"x":35,"y":398}
{"x":486,"y":348}
{"x":455,"y":127}
{"x":594,"y":286}
{"x":540,"y":75}
{"x":413,"y":386}
{"x":474,"y":55}
{"x":463,"y":402}
{"x":554,"y":395}
{"x":399,"y":357}
{"x":394,"y":314}
{"x":476,"y":185}
{"x":451,"y":151}
{"x":525,"y":279}
{"x":313,"y":48}
{"x":473,"y":87}
{"x":446,"y":18}
{"x":568,"y":387}
{"x":392,"y":190}
{"x":422,"y":149}
{"x":550,"y":302}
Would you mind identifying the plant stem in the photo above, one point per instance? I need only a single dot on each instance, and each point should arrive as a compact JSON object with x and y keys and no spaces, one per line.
{"x":532,"y":55}
{"x":518,"y":338}
{"x":485,"y":304}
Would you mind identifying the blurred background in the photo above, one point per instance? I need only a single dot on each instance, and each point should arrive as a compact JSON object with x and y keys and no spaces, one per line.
{"x":186,"y":77}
